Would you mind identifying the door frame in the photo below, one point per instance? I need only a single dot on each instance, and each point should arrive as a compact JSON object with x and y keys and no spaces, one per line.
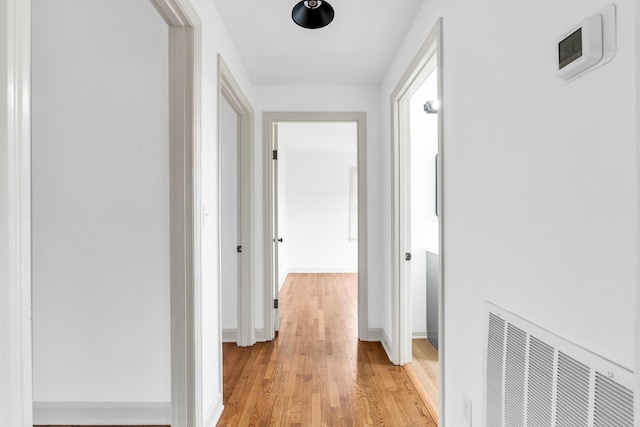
{"x":185,"y":217}
{"x":230,"y":90}
{"x":416,"y":73}
{"x":185,"y":228}
{"x":16,"y":390}
{"x":637,"y":300}
{"x":269,"y":119}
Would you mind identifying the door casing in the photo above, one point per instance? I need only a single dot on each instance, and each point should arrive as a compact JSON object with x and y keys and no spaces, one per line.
{"x":16,"y":389}
{"x":185,"y":216}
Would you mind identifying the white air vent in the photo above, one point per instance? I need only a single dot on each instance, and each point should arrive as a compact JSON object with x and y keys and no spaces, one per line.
{"x":534,"y":378}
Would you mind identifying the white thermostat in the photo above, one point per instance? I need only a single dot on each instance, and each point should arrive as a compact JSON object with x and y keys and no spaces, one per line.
{"x":588,"y":45}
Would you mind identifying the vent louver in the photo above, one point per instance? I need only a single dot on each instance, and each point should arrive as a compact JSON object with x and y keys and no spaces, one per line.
{"x":540,"y":389}
{"x":495,"y":350}
{"x":534,"y":378}
{"x":613,"y":404}
{"x":515,"y":376}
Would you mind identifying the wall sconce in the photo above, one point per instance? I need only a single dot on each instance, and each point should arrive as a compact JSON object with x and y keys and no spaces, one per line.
{"x":431,"y":107}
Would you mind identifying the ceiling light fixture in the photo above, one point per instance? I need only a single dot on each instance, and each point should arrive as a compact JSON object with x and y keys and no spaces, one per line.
{"x":312,"y":14}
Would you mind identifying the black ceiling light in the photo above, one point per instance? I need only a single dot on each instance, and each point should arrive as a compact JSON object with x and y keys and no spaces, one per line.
{"x":312,"y":14}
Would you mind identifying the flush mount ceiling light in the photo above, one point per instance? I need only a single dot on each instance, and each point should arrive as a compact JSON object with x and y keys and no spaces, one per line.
{"x":312,"y":14}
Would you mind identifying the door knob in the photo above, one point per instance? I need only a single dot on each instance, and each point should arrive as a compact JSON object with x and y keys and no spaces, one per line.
{"x":280,"y":240}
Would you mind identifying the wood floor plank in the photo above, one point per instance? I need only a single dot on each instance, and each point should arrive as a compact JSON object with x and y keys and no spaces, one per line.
{"x":316,"y":372}
{"x":423,"y":372}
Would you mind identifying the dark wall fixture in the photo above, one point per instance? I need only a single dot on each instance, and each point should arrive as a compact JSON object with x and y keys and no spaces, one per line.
{"x":312,"y":14}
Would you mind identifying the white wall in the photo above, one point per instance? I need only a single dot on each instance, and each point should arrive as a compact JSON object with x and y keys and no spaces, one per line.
{"x":424,"y":222}
{"x":229,"y":215}
{"x":424,"y":147}
{"x":330,"y":98}
{"x":100,"y":202}
{"x":318,"y":213}
{"x":540,"y":185}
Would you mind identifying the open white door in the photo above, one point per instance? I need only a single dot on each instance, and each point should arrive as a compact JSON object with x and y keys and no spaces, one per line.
{"x":276,"y":237}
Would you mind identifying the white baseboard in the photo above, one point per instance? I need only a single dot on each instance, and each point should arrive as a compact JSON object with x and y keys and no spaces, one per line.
{"x":284,"y":279}
{"x":101,"y":413}
{"x":419,"y":335}
{"x":215,"y":411}
{"x":386,"y":344}
{"x":381,"y":336}
{"x":229,"y":335}
{"x":261,"y":335}
{"x":322,"y":270}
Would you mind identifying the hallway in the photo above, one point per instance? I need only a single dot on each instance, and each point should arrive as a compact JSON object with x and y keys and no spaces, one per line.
{"x":316,"y":372}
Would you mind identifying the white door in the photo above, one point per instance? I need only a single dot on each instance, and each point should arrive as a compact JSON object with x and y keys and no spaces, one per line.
{"x":276,"y":237}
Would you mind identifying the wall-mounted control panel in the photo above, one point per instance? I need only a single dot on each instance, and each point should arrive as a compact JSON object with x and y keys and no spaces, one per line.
{"x":588,"y":45}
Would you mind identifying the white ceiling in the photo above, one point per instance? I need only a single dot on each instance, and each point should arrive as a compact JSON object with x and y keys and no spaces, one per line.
{"x":356,"y":48}
{"x":318,"y":138}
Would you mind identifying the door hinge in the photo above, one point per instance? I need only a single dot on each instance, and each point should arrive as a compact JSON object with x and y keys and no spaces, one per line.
{"x":275,"y":303}
{"x":275,"y":154}
{"x":407,"y":256}
{"x":239,"y":249}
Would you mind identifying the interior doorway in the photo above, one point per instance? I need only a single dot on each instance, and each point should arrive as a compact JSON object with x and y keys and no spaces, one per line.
{"x":417,"y":222}
{"x":316,"y":197}
{"x":425,"y":239}
{"x":182,"y":195}
{"x":235,"y":205}
{"x":230,"y":248}
{"x":290,"y":123}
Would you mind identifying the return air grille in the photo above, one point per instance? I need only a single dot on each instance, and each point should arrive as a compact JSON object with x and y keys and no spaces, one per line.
{"x":613,"y":404}
{"x":540,"y":387}
{"x":515,"y":376}
{"x":495,"y":351}
{"x":534,"y":378}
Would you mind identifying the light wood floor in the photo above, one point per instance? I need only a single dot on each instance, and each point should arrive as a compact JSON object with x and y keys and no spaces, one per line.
{"x":423,"y":371}
{"x":316,"y":372}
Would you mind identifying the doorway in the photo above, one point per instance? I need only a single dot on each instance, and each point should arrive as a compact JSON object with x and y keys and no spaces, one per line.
{"x":235,"y":205}
{"x":424,"y":238}
{"x":316,"y":198}
{"x":100,"y":217}
{"x":417,"y":222}
{"x":175,"y":192}
{"x":272,"y":122}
